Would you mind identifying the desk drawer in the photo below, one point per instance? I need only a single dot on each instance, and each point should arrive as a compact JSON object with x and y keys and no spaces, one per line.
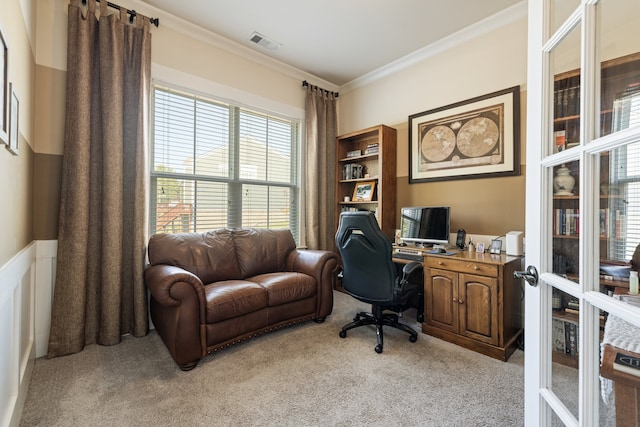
{"x":463,"y":266}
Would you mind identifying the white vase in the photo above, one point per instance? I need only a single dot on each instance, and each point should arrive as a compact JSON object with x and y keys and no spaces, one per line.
{"x":563,"y":182}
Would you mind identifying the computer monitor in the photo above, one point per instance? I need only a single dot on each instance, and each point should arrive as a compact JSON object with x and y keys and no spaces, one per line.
{"x":425,"y":225}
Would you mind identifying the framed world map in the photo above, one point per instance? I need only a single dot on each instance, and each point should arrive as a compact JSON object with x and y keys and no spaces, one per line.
{"x":477,"y":138}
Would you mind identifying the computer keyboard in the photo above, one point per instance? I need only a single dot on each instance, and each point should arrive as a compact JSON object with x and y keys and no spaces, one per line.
{"x":411,"y":257}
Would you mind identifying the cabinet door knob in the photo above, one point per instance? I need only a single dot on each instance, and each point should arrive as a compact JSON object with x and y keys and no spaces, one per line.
{"x":440,"y":263}
{"x":475,"y":267}
{"x":460,"y":301}
{"x":455,"y":300}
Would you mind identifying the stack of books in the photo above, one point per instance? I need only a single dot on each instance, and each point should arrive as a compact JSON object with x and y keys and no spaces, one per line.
{"x":372,"y":148}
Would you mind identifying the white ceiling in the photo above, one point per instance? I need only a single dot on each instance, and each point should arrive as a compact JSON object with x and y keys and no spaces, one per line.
{"x":335,"y":40}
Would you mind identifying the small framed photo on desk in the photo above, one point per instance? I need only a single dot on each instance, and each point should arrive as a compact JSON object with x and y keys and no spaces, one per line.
{"x":480,"y":247}
{"x":496,"y":247}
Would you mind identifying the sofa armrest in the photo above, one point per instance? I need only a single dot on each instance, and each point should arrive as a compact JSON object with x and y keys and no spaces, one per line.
{"x":160,"y":280}
{"x":321,"y":265}
{"x":178,"y":311}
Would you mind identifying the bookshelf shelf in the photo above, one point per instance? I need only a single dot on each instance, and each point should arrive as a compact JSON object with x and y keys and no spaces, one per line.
{"x":378,"y":166}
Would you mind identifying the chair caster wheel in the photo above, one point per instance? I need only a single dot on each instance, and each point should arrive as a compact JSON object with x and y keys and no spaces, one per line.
{"x":343,"y":334}
{"x":413,"y":338}
{"x":378,"y":349}
{"x":420,"y":318}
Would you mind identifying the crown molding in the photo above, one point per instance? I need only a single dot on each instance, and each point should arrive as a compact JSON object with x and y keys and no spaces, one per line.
{"x":216,"y":40}
{"x":493,"y":22}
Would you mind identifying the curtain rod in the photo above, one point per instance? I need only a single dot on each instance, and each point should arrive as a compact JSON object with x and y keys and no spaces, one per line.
{"x":306,"y":83}
{"x":154,"y":21}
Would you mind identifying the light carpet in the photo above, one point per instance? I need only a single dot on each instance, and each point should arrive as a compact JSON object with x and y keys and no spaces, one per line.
{"x":304,"y":375}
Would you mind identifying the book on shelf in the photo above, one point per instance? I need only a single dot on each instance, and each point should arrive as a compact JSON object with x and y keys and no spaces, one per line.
{"x":372,"y":148}
{"x":620,"y":224}
{"x":559,"y":343}
{"x":560,"y":139}
{"x":566,"y":222}
{"x":612,"y":225}
{"x":564,"y":334}
{"x":627,"y":363}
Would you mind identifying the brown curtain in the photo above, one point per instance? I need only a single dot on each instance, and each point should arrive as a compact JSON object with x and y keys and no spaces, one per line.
{"x":99,"y":292}
{"x":321,"y":132}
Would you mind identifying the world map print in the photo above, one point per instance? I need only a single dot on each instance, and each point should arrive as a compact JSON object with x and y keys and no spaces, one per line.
{"x":472,"y":139}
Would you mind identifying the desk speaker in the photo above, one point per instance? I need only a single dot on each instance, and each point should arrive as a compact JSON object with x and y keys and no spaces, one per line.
{"x":514,"y":243}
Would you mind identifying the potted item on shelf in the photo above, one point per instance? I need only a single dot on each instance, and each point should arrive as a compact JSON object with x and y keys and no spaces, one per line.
{"x":563,"y":182}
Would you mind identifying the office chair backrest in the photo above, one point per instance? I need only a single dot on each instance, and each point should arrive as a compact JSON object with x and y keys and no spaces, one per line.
{"x":369,"y":274}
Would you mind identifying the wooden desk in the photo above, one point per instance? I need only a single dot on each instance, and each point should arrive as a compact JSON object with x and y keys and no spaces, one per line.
{"x":622,"y":337}
{"x":626,"y":388}
{"x":473,"y":300}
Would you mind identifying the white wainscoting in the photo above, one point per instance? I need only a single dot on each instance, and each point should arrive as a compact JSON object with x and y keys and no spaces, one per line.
{"x":26,"y":292}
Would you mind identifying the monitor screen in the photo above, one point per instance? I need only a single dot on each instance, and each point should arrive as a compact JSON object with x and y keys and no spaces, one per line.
{"x":425,"y":224}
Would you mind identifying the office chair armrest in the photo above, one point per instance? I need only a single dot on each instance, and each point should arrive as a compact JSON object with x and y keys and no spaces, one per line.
{"x":410,"y":268}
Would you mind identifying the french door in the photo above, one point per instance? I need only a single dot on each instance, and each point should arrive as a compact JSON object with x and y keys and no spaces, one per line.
{"x":583,"y":206}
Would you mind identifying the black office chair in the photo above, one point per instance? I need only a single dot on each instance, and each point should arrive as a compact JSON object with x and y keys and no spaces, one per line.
{"x":370,"y":275}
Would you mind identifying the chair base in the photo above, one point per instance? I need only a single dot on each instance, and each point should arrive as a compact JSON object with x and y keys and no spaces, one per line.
{"x":379,"y":319}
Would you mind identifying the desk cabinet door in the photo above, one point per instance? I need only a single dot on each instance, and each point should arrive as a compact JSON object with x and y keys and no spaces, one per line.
{"x":441,"y":296}
{"x":478,"y":308}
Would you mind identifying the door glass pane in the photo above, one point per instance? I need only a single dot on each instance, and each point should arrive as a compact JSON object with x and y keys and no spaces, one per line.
{"x":620,"y":47}
{"x":561,"y":9}
{"x":564,"y":348}
{"x":566,"y":220}
{"x":566,"y":93}
{"x":619,"y":217}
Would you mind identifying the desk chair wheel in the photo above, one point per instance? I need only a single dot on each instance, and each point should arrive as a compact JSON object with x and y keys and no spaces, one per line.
{"x":413,"y":338}
{"x":420,"y":318}
{"x":343,"y":334}
{"x":379,"y":348}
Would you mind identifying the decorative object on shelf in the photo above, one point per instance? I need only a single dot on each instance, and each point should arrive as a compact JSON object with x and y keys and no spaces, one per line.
{"x":363,"y":191}
{"x":496,"y":246}
{"x":14,"y":111}
{"x":352,"y":171}
{"x":4,"y":89}
{"x":471,"y":247}
{"x":477,"y":138}
{"x":633,"y":283}
{"x":354,"y":153}
{"x":563,"y":182}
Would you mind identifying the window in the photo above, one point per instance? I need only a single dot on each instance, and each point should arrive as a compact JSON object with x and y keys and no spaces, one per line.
{"x":219,"y":165}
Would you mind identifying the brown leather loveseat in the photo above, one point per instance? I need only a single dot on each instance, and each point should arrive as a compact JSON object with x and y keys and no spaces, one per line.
{"x":214,"y":289}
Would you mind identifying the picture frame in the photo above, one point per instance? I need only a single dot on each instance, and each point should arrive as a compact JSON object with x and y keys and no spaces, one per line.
{"x":496,"y":247}
{"x":4,"y":89}
{"x":363,"y":191}
{"x":14,"y":115}
{"x":480,"y":247}
{"x":476,"y":138}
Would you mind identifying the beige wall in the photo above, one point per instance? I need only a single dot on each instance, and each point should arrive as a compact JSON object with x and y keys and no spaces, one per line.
{"x":182,"y":54}
{"x":480,"y":65}
{"x":16,"y":172}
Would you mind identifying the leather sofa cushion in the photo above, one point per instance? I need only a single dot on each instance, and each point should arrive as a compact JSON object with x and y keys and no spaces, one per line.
{"x":261,"y":251}
{"x":232,"y":298}
{"x":284,"y":288}
{"x":211,"y":256}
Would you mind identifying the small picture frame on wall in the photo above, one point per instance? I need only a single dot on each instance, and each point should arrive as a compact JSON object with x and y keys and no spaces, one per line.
{"x":14,"y":112}
{"x":480,"y":247}
{"x":4,"y":89}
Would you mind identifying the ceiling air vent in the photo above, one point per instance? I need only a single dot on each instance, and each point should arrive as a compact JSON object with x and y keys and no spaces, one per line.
{"x":261,"y":40}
